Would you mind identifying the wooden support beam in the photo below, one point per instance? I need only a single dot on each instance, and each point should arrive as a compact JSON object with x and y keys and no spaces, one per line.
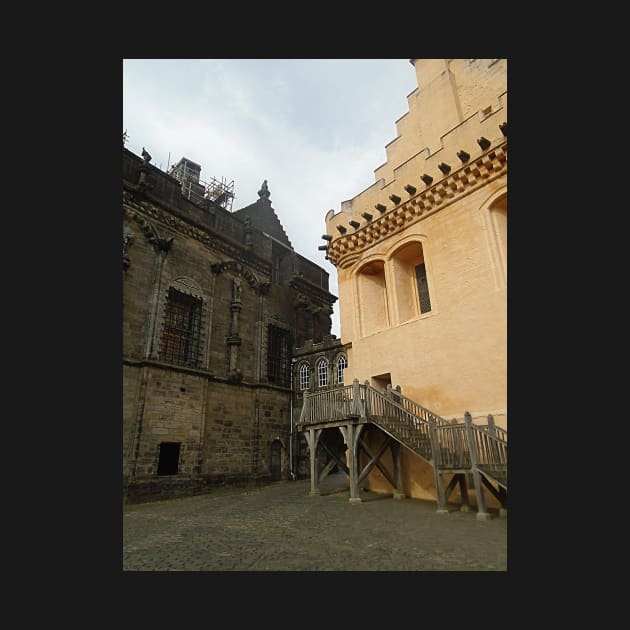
{"x":374,"y":461}
{"x":335,"y":457}
{"x":312,"y":439}
{"x":398,"y":486}
{"x":482,"y":510}
{"x":330,"y":464}
{"x":351,"y":433}
{"x":463,"y":490}
{"x":451,"y":486}
{"x":490,"y":487}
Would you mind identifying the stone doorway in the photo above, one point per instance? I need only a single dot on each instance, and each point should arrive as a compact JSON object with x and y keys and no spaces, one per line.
{"x":276,"y":460}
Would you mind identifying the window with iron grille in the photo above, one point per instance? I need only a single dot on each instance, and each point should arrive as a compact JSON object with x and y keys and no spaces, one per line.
{"x":182,"y":325}
{"x":342,"y":364}
{"x":305,"y":376}
{"x":322,"y":373}
{"x":423,"y":288}
{"x":278,"y":356}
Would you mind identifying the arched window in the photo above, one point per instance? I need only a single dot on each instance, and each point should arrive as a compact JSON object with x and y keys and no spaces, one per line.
{"x":342,"y":364}
{"x":410,"y":279}
{"x":322,"y":373}
{"x":305,"y":376}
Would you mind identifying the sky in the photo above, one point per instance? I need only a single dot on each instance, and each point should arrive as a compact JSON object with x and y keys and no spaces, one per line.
{"x":315,"y":129}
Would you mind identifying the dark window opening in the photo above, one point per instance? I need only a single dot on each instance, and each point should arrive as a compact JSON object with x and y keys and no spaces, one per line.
{"x":278,"y":357}
{"x":423,"y":288}
{"x":168,"y":463}
{"x":182,"y":325}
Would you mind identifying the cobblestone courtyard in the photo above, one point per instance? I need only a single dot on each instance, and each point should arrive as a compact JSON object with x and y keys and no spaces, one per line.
{"x":279,"y":527}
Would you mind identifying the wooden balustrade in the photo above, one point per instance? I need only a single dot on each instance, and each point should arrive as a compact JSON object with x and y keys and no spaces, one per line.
{"x":446,"y":444}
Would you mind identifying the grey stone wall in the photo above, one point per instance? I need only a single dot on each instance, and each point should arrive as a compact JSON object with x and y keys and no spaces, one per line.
{"x":221,"y":410}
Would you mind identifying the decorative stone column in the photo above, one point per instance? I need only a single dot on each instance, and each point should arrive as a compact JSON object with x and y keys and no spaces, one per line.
{"x":234,"y":340}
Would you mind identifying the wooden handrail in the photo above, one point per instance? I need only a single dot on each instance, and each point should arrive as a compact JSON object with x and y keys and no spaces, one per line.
{"x":444,"y":443}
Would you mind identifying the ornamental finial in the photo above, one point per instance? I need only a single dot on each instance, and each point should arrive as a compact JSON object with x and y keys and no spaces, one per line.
{"x":264,"y":191}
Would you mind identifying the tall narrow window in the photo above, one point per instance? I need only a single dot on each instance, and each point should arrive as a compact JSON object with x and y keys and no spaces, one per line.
{"x":278,"y":359}
{"x":342,"y":364}
{"x":305,"y":376}
{"x":322,"y":373}
{"x":182,"y":325}
{"x":423,"y":288}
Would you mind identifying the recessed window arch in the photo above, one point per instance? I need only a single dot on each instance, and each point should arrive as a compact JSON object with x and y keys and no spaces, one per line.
{"x":340,"y":366}
{"x":495,"y":216}
{"x":372,"y":297}
{"x":409,"y":273}
{"x":305,"y":376}
{"x":322,"y":373}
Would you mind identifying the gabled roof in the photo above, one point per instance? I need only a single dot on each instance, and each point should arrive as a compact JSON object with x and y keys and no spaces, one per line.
{"x":264,"y":217}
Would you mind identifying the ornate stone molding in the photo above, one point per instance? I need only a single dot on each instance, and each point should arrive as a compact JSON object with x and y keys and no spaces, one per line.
{"x":344,"y":250}
{"x":240,"y":270}
{"x":135,"y":209}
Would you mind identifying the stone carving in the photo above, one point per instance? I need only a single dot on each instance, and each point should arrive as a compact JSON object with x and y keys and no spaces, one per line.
{"x":236,"y":290}
{"x":127,"y":241}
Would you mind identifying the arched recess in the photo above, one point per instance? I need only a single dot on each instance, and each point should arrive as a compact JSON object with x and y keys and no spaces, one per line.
{"x":408,"y":274}
{"x":371,"y":297}
{"x":494,"y":211}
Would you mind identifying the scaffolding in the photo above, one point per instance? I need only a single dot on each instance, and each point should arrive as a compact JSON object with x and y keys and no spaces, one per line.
{"x":198,"y":191}
{"x":220,"y":192}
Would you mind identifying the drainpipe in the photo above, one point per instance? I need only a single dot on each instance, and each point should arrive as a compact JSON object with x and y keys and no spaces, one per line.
{"x":291,"y":473}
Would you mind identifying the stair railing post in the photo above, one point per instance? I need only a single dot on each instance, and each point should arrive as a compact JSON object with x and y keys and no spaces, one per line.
{"x":435,"y":450}
{"x":492,"y":431}
{"x":482,"y":511}
{"x":357,"y":407}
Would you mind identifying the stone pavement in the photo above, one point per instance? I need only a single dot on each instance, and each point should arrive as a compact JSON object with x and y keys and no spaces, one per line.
{"x":279,"y":527}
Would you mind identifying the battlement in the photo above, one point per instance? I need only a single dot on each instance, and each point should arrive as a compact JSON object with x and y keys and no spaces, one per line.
{"x":418,"y":176}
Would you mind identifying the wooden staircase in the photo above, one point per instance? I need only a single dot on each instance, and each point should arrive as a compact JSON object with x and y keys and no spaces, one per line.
{"x":450,"y":447}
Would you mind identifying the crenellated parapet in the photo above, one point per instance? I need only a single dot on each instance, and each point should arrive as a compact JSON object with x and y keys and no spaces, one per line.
{"x":452,"y":140}
{"x":439,"y":192}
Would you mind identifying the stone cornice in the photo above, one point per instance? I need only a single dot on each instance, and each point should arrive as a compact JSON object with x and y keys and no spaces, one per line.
{"x":344,"y":250}
{"x":300,"y":283}
{"x":139,"y":210}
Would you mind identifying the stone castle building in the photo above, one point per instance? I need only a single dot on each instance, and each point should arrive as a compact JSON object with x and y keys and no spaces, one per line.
{"x":223,"y":325}
{"x":421,"y":256}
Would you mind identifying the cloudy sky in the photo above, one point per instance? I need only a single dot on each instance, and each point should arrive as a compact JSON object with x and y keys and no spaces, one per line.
{"x":315,"y":129}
